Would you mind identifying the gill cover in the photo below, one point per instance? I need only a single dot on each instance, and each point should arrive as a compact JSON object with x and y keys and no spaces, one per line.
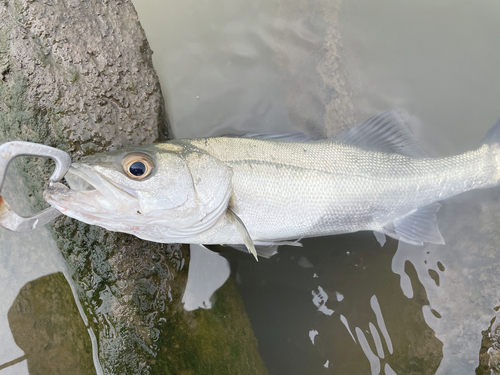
{"x":187,"y":192}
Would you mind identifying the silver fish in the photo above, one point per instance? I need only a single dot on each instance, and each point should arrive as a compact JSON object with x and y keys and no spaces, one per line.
{"x":270,"y":190}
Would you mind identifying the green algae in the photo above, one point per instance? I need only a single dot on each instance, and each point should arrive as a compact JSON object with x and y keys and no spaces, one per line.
{"x":222,"y":332}
{"x":144,"y":282}
{"x":46,"y":325}
{"x":72,"y":74}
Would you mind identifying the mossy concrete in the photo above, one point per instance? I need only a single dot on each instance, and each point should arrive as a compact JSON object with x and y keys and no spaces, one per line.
{"x":46,"y":325}
{"x":78,"y":75}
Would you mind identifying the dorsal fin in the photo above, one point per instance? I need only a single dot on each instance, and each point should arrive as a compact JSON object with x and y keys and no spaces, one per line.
{"x":493,"y":135}
{"x":387,"y":132}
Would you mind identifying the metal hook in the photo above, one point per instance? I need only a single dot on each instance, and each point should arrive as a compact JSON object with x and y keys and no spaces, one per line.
{"x":11,"y":150}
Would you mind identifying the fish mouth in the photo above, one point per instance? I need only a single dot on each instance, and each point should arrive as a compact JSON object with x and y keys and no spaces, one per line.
{"x":77,"y":181}
{"x":88,"y":191}
{"x":84,"y":178}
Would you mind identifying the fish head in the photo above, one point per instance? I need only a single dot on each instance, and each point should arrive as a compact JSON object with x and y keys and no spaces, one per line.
{"x":168,"y":189}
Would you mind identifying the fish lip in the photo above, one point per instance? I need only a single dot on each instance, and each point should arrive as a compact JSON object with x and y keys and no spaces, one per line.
{"x":66,"y":200}
{"x":89,"y":193}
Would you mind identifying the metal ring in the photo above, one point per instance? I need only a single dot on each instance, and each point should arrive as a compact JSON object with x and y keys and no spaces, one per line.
{"x":11,"y":150}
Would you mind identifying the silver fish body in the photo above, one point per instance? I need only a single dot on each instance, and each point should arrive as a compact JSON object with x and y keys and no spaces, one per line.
{"x":280,"y":190}
{"x":284,"y":190}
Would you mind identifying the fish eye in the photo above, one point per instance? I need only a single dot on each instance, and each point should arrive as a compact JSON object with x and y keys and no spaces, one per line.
{"x":137,"y":165}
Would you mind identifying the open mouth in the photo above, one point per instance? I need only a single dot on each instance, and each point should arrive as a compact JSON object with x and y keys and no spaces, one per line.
{"x":87,"y":191}
{"x":75,"y":179}
{"x":83,"y":178}
{"x":76,"y":182}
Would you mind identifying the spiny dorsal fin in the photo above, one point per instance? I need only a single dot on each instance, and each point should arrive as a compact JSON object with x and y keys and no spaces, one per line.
{"x":385,"y":132}
{"x":417,"y":227}
{"x":493,"y":135}
{"x":243,"y":232}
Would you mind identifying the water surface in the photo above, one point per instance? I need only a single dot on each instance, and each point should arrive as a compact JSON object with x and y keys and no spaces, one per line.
{"x":317,"y":67}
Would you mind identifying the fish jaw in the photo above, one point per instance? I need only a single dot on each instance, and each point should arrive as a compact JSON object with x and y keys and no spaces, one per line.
{"x":94,"y":199}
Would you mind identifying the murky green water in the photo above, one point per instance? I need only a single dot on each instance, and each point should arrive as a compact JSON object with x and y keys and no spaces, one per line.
{"x":343,"y":304}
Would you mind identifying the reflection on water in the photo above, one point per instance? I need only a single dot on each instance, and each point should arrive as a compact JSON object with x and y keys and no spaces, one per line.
{"x":463,"y":286}
{"x":47,"y":326}
{"x":208,"y":271}
{"x":349,"y":301}
{"x":396,"y":309}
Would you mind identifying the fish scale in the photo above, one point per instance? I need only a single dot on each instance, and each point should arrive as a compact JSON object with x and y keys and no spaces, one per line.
{"x":297,"y":190}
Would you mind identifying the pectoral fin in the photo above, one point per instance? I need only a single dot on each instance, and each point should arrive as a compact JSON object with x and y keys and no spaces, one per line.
{"x":242,"y":230}
{"x":417,"y":227}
